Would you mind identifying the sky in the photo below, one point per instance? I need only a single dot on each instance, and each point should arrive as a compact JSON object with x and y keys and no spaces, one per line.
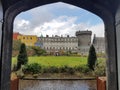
{"x":58,"y":19}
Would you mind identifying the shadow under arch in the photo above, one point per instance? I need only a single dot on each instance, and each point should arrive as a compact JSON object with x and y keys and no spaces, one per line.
{"x":101,"y":8}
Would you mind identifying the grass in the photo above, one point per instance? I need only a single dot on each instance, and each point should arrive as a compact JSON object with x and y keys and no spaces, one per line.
{"x":57,"y":60}
{"x":51,"y":63}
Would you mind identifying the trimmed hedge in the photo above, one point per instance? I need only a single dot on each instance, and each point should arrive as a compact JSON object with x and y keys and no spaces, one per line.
{"x":34,"y":68}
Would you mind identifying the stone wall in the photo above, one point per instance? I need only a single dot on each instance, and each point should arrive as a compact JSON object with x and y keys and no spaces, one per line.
{"x":1,"y":20}
{"x":99,"y":44}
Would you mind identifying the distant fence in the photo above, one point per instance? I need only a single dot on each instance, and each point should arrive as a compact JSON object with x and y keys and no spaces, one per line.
{"x":101,"y":83}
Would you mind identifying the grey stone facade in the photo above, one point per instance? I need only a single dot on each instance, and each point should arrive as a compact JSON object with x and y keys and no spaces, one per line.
{"x":99,"y":44}
{"x":79,"y":44}
{"x":57,"y":44}
{"x":84,"y":41}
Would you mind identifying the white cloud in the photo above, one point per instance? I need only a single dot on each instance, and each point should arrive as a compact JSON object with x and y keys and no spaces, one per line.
{"x":62,"y":25}
{"x":22,"y":23}
{"x":98,"y":29}
{"x":44,"y":22}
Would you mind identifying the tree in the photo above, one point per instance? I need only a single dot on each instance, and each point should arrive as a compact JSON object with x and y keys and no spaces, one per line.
{"x":92,"y":57}
{"x":38,"y":51}
{"x":22,"y":58}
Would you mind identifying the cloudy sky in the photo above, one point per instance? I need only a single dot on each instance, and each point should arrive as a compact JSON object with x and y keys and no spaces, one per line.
{"x":57,"y":19}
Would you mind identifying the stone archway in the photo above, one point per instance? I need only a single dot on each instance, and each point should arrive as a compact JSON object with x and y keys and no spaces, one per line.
{"x":106,"y":9}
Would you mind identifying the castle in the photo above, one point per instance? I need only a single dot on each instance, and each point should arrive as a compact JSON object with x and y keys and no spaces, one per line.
{"x":58,"y":44}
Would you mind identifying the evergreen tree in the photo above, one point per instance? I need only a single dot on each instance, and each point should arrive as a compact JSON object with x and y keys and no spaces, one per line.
{"x":92,"y":57}
{"x":22,"y":58}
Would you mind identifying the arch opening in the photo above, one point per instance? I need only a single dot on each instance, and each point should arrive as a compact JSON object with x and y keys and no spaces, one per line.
{"x":97,"y":8}
{"x":57,"y":24}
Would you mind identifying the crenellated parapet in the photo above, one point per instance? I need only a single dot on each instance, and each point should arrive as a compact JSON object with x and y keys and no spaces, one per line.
{"x":83,"y":33}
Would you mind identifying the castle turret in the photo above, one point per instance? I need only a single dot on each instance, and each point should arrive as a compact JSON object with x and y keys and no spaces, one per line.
{"x":84,"y":41}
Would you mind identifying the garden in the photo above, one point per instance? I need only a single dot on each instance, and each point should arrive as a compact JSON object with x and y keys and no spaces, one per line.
{"x":40,"y":66}
{"x":52,"y":66}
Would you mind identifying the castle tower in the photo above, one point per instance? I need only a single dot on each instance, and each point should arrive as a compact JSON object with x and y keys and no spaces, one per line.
{"x":84,"y":41}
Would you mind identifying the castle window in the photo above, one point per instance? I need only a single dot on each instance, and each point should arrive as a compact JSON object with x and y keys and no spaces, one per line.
{"x":69,"y":48}
{"x":66,"y":48}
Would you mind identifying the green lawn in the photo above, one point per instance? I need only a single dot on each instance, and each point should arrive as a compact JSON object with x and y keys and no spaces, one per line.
{"x":57,"y":60}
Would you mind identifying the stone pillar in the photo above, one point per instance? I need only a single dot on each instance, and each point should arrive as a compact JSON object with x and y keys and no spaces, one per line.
{"x":110,"y":36}
{"x":118,"y":43}
{"x":6,"y":51}
{"x":1,"y":20}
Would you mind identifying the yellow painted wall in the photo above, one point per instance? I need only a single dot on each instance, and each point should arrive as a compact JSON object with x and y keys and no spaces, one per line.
{"x":29,"y":40}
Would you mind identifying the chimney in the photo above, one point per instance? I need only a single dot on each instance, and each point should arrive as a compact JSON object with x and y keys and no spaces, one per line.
{"x":47,"y":35}
{"x":67,"y":35}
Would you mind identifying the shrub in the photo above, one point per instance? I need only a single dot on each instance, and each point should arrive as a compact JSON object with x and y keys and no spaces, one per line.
{"x":92,"y":58}
{"x":44,"y":69}
{"x":38,"y":51}
{"x":53,"y":69}
{"x":22,"y":58}
{"x":100,"y":69}
{"x":33,"y":68}
{"x":50,"y":69}
{"x":70,"y":70}
{"x":78,"y":68}
{"x":63,"y":69}
{"x":82,"y":69}
{"x":85,"y":69}
{"x":20,"y":73}
{"x":67,"y":69}
{"x":14,"y":68}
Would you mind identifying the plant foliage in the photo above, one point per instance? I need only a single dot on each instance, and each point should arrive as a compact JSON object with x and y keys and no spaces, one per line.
{"x":33,"y":68}
{"x":38,"y":51}
{"x":92,"y":58}
{"x":22,"y":58}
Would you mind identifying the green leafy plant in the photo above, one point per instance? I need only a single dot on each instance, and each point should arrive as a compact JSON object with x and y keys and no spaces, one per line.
{"x":33,"y":68}
{"x":92,"y":58}
{"x":82,"y":68}
{"x":100,"y":69}
{"x":38,"y":51}
{"x":22,"y":58}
